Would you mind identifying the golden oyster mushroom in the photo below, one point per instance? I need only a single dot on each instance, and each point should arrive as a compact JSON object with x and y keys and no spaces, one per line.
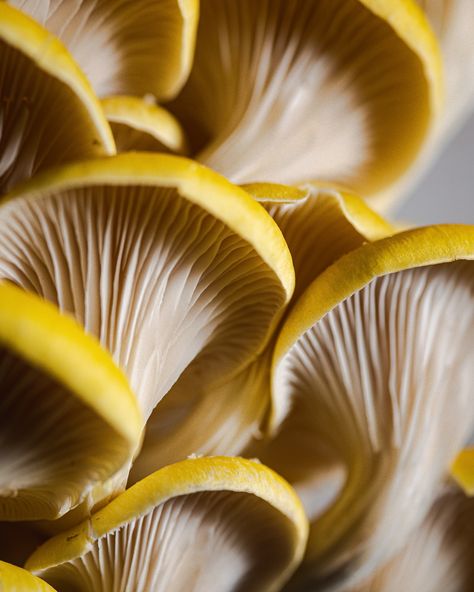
{"x":292,"y":91}
{"x":438,"y":557}
{"x":319,"y":224}
{"x":48,"y":112}
{"x":68,"y":420}
{"x":203,"y":524}
{"x":180,"y":274}
{"x":375,"y":359}
{"x":130,"y":48}
{"x":16,"y":579}
{"x":140,"y":124}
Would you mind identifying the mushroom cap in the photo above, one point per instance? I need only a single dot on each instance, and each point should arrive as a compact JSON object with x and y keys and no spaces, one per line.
{"x":68,"y":418}
{"x":293,"y":92}
{"x":140,"y":125}
{"x":124,"y":48}
{"x":42,"y":85}
{"x":181,"y":275}
{"x":17,"y":579}
{"x":369,"y":354}
{"x":183,"y":522}
{"x":320,"y":224}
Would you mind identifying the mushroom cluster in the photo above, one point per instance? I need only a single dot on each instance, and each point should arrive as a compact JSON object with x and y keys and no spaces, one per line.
{"x":221,"y":369}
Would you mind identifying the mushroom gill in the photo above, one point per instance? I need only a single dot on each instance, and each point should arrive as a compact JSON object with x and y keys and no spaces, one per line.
{"x":319,"y":224}
{"x":292,"y":91}
{"x":374,"y":363}
{"x":178,"y":273}
{"x":438,"y":556}
{"x":68,"y":421}
{"x":123,"y":47}
{"x":48,"y":112}
{"x":223,"y":524}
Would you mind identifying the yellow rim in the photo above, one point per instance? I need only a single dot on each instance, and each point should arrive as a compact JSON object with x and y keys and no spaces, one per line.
{"x":50,"y":55}
{"x":16,"y":579}
{"x":410,"y":23}
{"x":413,"y":248}
{"x":462,"y":470}
{"x":225,"y":201}
{"x":354,"y":209}
{"x":147,"y":118}
{"x":36,"y":331}
{"x":183,"y":478}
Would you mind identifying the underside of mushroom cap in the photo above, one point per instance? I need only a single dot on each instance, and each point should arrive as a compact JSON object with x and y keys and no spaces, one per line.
{"x":371,"y":355}
{"x":167,"y":263}
{"x":287,"y":92}
{"x":16,"y":579}
{"x":134,"y":48}
{"x":438,"y":556}
{"x":203,"y":524}
{"x":319,"y":224}
{"x":140,"y":125}
{"x":68,"y":420}
{"x":49,"y":112}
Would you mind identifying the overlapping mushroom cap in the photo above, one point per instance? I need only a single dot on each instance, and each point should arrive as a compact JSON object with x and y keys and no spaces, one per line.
{"x":68,"y":421}
{"x":124,"y":48}
{"x":319,"y":224}
{"x":139,"y":124}
{"x":327,"y":89}
{"x":204,"y":524}
{"x":180,"y":274}
{"x":49,"y":114}
{"x":374,"y":365}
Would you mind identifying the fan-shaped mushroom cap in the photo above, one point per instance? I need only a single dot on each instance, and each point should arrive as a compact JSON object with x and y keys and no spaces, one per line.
{"x":339,"y":90}
{"x":16,"y":579}
{"x":203,"y":524}
{"x":49,"y":113}
{"x":319,"y":224}
{"x":172,"y":267}
{"x":376,"y":357}
{"x":438,"y":557}
{"x":140,"y":124}
{"x":124,"y":47}
{"x":68,"y":420}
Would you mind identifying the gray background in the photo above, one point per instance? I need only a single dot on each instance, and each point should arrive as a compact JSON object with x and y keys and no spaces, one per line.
{"x":446,"y":192}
